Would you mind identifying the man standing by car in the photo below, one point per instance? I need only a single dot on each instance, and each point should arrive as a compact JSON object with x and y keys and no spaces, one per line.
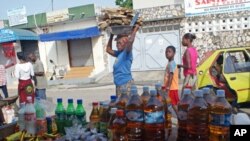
{"x":40,"y":79}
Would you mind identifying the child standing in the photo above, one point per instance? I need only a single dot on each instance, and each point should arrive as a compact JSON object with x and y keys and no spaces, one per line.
{"x":171,"y":77}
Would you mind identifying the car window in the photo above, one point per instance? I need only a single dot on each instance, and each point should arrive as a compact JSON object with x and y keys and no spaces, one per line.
{"x":216,"y":68}
{"x":237,"y":61}
{"x":248,"y":50}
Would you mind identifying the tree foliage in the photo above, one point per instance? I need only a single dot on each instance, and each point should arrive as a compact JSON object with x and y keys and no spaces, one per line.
{"x":125,"y":3}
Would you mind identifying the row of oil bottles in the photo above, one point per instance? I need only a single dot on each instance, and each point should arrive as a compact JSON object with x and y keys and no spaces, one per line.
{"x":202,"y":116}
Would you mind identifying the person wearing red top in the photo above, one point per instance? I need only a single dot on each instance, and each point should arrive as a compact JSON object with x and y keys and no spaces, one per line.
{"x":189,"y":60}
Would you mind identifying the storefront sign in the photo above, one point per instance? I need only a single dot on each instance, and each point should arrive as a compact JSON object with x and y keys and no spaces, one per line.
{"x":57,"y":16}
{"x":205,"y":7}
{"x":17,"y":16}
{"x":8,"y":50}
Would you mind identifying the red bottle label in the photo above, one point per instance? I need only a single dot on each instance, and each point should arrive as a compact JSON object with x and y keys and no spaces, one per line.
{"x":30,"y":116}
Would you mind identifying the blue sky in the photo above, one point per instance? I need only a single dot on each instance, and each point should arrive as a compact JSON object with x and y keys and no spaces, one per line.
{"x":39,"y":6}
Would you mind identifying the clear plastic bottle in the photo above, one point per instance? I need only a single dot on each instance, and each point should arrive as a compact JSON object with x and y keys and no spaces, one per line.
{"x":94,"y":116}
{"x":119,"y":127}
{"x":104,"y":118}
{"x":183,"y":105}
{"x":122,"y":100}
{"x":70,"y":113}
{"x":41,"y":123}
{"x":21,"y":117}
{"x":198,"y":114}
{"x":221,"y":114}
{"x":168,"y":108}
{"x":134,"y":116}
{"x":110,"y":123}
{"x":208,"y":96}
{"x":154,"y":116}
{"x":60,"y":116}
{"x":145,"y":95}
{"x":30,"y":116}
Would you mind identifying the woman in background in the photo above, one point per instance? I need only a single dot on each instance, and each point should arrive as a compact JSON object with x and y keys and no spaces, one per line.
{"x":24,"y":72}
{"x":189,"y":60}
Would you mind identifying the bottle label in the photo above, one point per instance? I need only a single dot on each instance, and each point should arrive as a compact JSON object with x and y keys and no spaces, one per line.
{"x":70,"y":117}
{"x":41,"y":127}
{"x":81,"y":118}
{"x":103,"y":127}
{"x":222,"y":120}
{"x":182,"y":114}
{"x":154,"y":117}
{"x":135,"y":115}
{"x":60,"y":116}
{"x":30,"y":116}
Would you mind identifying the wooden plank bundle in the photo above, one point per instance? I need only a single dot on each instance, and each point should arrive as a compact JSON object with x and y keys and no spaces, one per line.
{"x":117,"y":16}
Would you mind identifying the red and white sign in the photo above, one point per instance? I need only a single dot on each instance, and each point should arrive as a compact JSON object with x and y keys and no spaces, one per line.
{"x":205,"y":7}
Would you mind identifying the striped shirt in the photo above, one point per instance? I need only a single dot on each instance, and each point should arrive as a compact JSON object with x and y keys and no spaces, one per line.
{"x":3,"y":79}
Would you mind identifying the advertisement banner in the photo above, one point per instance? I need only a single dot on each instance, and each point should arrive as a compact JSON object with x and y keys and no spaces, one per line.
{"x":205,"y":7}
{"x":17,"y":16}
{"x":57,"y":16}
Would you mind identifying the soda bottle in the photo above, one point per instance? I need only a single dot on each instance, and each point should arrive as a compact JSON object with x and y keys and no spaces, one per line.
{"x":94,"y":116}
{"x":21,"y":117}
{"x":145,"y":95}
{"x":221,"y":113}
{"x":198,"y":118}
{"x":70,"y":113}
{"x":101,"y":108}
{"x":122,"y":100}
{"x":81,"y":113}
{"x":112,"y":101}
{"x":134,"y":116}
{"x":41,"y":123}
{"x":60,"y":116}
{"x":104,"y":118}
{"x":30,"y":116}
{"x":110,"y":123}
{"x":119,"y":127}
{"x":168,"y":108}
{"x":154,"y":113}
{"x":183,"y":105}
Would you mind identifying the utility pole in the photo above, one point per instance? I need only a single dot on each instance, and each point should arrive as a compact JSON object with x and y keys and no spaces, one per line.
{"x":52,"y":5}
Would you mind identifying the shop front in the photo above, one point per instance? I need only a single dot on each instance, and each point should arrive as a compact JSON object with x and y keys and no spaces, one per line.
{"x":73,"y":49}
{"x":14,"y":40}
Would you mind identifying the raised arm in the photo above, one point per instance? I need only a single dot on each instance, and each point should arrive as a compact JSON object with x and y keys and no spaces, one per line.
{"x":109,"y":49}
{"x":131,"y":38}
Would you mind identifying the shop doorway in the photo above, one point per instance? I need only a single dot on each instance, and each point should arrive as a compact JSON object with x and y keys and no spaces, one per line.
{"x":80,"y":53}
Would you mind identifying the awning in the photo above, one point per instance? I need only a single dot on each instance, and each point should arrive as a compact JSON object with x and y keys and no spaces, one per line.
{"x":73,"y":34}
{"x":13,"y":34}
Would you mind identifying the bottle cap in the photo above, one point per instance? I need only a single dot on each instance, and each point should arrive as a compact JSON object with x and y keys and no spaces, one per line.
{"x":186,"y":91}
{"x":101,"y":103}
{"x":158,"y":86}
{"x":95,"y":103}
{"x":105,"y":103}
{"x":79,"y":101}
{"x":153,"y":92}
{"x":70,"y":100}
{"x":22,"y":104}
{"x":113,"y":110}
{"x":145,"y":88}
{"x":220,"y":93}
{"x":113,"y":97}
{"x":59,"y":100}
{"x":133,"y":91}
{"x":123,"y":90}
{"x":198,"y":93}
{"x":119,"y":113}
{"x":206,"y":90}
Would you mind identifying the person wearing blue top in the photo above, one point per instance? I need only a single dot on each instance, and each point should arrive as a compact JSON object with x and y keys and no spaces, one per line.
{"x":124,"y":58}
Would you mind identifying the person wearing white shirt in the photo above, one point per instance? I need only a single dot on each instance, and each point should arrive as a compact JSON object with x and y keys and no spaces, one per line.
{"x":24,"y":73}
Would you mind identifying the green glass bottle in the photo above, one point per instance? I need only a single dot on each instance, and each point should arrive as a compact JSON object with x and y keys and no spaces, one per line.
{"x":81,"y":113}
{"x":70,"y":113}
{"x":60,"y":116}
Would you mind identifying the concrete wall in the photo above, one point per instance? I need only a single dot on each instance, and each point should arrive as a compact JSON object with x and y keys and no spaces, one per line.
{"x":98,"y":55}
{"x":140,"y":4}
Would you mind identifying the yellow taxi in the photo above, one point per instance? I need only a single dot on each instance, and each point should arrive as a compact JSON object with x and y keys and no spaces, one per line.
{"x":227,"y":69}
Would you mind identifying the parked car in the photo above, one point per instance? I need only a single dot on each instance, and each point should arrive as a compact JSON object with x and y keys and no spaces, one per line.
{"x":227,"y":69}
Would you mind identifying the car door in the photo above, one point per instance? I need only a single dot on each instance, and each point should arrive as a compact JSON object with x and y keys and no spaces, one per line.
{"x":236,"y":71}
